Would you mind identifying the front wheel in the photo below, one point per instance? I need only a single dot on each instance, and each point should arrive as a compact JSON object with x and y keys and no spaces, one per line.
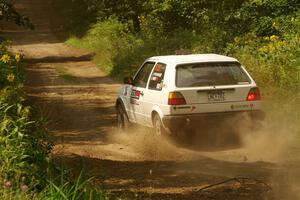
{"x":123,"y":123}
{"x":159,"y":130}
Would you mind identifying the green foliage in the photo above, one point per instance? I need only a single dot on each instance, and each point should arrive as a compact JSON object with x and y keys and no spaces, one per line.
{"x":24,"y":145}
{"x":9,"y":13}
{"x":102,"y":38}
{"x":274,"y":60}
{"x":226,"y":17}
{"x":120,"y":52}
{"x":259,"y":15}
{"x":263,"y":34}
{"x":77,"y":15}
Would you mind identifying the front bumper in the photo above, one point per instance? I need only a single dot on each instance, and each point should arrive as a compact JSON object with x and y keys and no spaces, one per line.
{"x":174,"y":122}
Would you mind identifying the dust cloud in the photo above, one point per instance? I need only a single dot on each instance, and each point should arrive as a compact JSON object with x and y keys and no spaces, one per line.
{"x":273,"y":142}
{"x":277,"y":142}
{"x":269,"y":144}
{"x":150,"y":147}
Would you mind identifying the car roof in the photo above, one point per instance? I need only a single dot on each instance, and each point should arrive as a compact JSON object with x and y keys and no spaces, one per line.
{"x":192,"y":58}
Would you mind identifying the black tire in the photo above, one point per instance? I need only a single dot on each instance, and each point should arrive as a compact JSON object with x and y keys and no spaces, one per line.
{"x":123,"y":123}
{"x":158,"y":128}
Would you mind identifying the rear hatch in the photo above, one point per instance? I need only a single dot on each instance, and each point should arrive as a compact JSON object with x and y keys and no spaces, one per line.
{"x":214,"y":87}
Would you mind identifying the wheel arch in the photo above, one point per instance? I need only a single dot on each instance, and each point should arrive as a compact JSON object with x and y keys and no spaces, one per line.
{"x":157,"y":111}
{"x":119,"y":101}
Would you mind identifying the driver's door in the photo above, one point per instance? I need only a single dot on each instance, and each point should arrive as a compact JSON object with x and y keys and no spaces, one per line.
{"x":136,"y":92}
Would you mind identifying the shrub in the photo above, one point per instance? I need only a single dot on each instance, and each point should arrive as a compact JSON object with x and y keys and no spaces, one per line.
{"x":273,"y":60}
{"x":101,"y":38}
{"x":121,"y":52}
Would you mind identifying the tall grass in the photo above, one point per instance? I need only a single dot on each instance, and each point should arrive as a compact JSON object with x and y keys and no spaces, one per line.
{"x":62,"y":188}
{"x":24,"y":143}
{"x":59,"y":187}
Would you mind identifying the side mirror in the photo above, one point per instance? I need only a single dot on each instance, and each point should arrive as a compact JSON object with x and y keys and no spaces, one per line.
{"x":128,"y":80}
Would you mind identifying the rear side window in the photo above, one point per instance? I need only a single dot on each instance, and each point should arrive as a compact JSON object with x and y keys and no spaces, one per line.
{"x":142,"y":76}
{"x":210,"y":74}
{"x":157,"y":77}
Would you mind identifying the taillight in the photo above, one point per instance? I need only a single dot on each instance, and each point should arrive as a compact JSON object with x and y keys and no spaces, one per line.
{"x":254,"y":95}
{"x":176,"y":98}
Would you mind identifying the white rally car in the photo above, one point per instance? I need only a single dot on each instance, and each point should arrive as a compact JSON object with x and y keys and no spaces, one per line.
{"x":170,"y":93}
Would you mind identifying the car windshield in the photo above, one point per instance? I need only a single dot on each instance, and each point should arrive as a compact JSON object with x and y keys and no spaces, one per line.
{"x":210,"y":74}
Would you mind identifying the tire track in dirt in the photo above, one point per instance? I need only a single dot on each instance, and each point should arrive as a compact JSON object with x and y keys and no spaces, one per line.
{"x":79,"y":100}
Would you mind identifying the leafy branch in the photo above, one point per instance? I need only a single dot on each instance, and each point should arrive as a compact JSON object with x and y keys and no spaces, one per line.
{"x":9,"y":13}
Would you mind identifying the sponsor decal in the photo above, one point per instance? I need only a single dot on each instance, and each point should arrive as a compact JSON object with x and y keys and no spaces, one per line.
{"x":134,"y":96}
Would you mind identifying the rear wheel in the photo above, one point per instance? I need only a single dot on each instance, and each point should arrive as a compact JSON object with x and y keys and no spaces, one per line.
{"x":159,"y":130}
{"x":123,"y":123}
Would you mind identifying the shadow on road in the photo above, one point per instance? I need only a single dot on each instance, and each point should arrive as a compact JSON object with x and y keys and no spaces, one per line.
{"x":59,"y":59}
{"x":174,"y":179}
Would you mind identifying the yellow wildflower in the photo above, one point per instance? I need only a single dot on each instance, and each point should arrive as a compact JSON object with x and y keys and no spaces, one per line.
{"x":5,"y":58}
{"x":11,"y":77}
{"x":17,"y":57}
{"x":263,"y":49}
{"x":237,"y":40}
{"x":274,"y":38}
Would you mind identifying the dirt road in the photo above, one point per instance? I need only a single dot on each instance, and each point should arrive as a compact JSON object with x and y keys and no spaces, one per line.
{"x":79,"y":100}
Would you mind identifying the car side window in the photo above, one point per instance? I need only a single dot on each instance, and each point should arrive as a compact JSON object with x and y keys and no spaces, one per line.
{"x":157,"y":77}
{"x":142,"y":76}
